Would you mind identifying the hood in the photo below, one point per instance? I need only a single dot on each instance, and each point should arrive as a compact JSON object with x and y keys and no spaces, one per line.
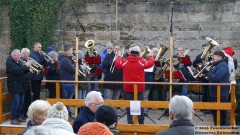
{"x":57,"y":123}
{"x":62,"y":54}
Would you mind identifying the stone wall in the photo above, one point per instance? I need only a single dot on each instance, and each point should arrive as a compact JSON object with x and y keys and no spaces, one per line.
{"x":147,"y":22}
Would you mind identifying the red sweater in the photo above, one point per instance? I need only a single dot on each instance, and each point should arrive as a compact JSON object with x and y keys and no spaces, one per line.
{"x":133,"y":70}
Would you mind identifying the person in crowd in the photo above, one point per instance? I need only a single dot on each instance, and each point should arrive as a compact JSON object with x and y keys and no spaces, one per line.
{"x":94,"y":128}
{"x":27,"y":78}
{"x":52,"y":73}
{"x":105,"y":51}
{"x":67,"y":72}
{"x":37,"y":78}
{"x":127,"y":52}
{"x":186,"y":61}
{"x":108,"y":115}
{"x":92,"y":101}
{"x":57,"y":120}
{"x":229,"y":52}
{"x":37,"y":113}
{"x":112,"y":91}
{"x":15,"y":71}
{"x":37,"y":130}
{"x":133,"y":71}
{"x":219,"y":74}
{"x":82,"y":91}
{"x":181,"y":113}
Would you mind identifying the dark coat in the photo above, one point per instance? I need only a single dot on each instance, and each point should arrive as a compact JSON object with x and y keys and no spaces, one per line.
{"x":66,"y":67}
{"x":52,"y":74}
{"x":149,"y":77}
{"x":219,"y":74}
{"x":85,"y":116}
{"x":40,"y":59}
{"x":27,"y":77}
{"x":179,"y":127}
{"x":117,"y":74}
{"x":15,"y":76}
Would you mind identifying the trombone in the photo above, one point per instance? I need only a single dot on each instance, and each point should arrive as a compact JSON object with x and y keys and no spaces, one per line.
{"x":46,"y":57}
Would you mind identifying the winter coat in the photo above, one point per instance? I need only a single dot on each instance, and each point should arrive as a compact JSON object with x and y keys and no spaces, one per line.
{"x":28,"y":76}
{"x":219,"y":74}
{"x":116,"y":75}
{"x":103,"y":55}
{"x":133,"y":70}
{"x":40,"y":59}
{"x":15,"y":76}
{"x":66,"y":67}
{"x":52,"y":74}
{"x":179,"y":127}
{"x":85,"y":116}
{"x":231,"y":67}
{"x":149,"y":77}
{"x":58,"y":126}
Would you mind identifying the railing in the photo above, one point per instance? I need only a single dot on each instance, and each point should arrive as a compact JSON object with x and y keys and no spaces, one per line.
{"x":140,"y":129}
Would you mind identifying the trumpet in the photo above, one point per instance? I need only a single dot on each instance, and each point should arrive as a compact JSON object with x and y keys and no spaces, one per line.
{"x":31,"y":68}
{"x":114,"y":59}
{"x":46,"y":57}
{"x":35,"y":63}
{"x":145,"y":52}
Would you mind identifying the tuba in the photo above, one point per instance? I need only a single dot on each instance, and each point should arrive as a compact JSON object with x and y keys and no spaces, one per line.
{"x":211,"y":43}
{"x":89,"y":44}
{"x":161,"y":52}
{"x":145,"y":52}
{"x":160,"y":70}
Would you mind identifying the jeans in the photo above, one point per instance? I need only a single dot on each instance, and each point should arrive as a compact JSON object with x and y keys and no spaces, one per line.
{"x":91,"y":85}
{"x":130,"y":96}
{"x":111,"y":94}
{"x":82,"y":93}
{"x":184,"y":90}
{"x":145,"y":97}
{"x":17,"y":103}
{"x":68,"y":93}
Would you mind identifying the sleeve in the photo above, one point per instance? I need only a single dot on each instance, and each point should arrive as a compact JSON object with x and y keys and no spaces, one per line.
{"x":197,"y":60}
{"x":118,"y":62}
{"x":77,"y":124}
{"x":107,"y":61}
{"x":68,"y":65}
{"x":219,"y":74}
{"x":16,"y":70}
{"x":149,"y":63}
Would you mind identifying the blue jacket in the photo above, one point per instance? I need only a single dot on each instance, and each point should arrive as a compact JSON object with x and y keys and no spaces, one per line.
{"x":219,"y":74}
{"x":66,"y":68}
{"x":85,"y":116}
{"x":40,"y":59}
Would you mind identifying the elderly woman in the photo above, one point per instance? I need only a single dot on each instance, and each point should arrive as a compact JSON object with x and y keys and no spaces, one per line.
{"x":92,"y":101}
{"x":37,"y":112}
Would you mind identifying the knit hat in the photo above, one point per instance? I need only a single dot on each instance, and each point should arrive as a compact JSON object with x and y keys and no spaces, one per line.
{"x":228,"y":50}
{"x":106,"y":114}
{"x":109,"y":45}
{"x":94,"y":128}
{"x":49,"y":49}
{"x":58,"y":110}
{"x":134,"y":48}
{"x":80,"y":55}
{"x":220,"y":53}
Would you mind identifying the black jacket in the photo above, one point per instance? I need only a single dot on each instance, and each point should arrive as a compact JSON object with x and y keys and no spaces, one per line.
{"x":66,"y":67}
{"x":15,"y":76}
{"x":179,"y":127}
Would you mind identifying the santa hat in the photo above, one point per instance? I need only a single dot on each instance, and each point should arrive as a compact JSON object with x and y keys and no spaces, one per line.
{"x":228,"y":50}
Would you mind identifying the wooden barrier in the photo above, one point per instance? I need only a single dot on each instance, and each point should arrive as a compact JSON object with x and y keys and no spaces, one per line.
{"x":127,"y":129}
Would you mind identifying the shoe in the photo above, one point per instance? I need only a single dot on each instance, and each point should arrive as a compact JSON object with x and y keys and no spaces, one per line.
{"x":21,"y":119}
{"x":15,"y":122}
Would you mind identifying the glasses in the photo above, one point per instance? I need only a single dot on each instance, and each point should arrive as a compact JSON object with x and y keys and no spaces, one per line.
{"x":97,"y":104}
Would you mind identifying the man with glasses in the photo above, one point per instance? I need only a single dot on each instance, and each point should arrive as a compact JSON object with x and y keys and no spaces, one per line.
{"x":92,"y":101}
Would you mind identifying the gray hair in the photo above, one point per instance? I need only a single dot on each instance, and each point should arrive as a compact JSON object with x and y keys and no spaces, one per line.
{"x":53,"y":54}
{"x":181,"y":107}
{"x":14,"y":52}
{"x":92,"y":96}
{"x":25,"y":50}
{"x":37,"y":130}
{"x":37,"y":108}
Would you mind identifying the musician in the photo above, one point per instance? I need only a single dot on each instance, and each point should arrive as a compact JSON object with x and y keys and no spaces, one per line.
{"x":105,"y":51}
{"x":112,"y":91}
{"x":127,"y":52}
{"x":96,"y":71}
{"x":37,"y":78}
{"x":186,"y":61}
{"x":15,"y":71}
{"x":219,"y":74}
{"x":133,"y":71}
{"x":179,"y":75}
{"x":27,"y":82}
{"x":67,"y":72}
{"x":82,"y":90}
{"x":52,"y":73}
{"x":228,"y":51}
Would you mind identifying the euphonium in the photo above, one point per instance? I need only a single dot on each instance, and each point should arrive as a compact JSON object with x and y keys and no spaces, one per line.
{"x":160,"y":70}
{"x":211,"y":43}
{"x":145,"y":52}
{"x":207,"y":66}
{"x":89,"y":44}
{"x":161,"y":52}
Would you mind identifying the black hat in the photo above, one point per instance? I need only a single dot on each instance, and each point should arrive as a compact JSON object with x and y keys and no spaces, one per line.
{"x":220,"y":53}
{"x":106,"y":114}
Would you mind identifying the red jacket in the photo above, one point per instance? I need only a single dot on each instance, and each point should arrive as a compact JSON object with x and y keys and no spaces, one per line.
{"x":133,"y":70}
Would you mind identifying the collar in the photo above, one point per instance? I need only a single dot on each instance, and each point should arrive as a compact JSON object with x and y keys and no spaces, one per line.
{"x":181,"y":122}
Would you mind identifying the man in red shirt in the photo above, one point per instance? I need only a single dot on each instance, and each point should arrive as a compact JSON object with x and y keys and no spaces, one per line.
{"x":133,"y":71}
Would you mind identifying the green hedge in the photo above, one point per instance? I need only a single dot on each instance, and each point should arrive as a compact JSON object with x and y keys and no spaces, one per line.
{"x":33,"y":21}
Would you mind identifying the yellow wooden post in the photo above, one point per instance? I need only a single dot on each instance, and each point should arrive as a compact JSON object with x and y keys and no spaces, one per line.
{"x":135,"y":118}
{"x":76,"y":75}
{"x":218,"y":101}
{"x":1,"y":92}
{"x":233,"y":105}
{"x":57,"y":90}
